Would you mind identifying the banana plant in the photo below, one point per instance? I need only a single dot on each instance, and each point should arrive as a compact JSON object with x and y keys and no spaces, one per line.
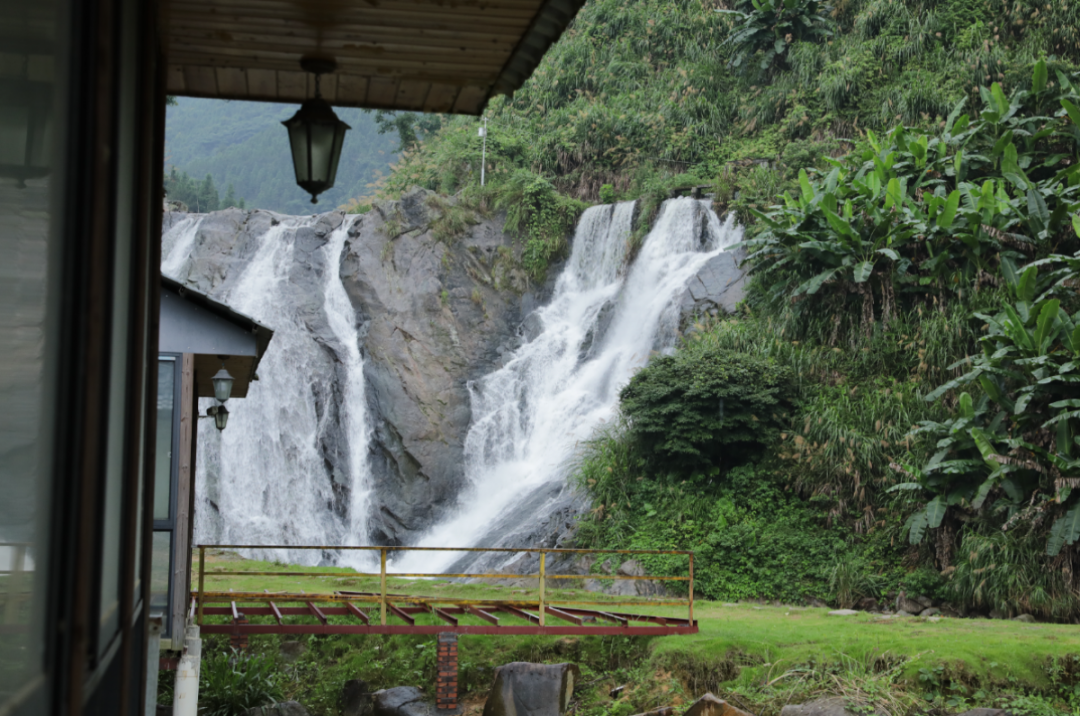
{"x":767,"y":27}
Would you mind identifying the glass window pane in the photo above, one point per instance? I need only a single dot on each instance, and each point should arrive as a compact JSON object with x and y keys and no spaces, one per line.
{"x":164,"y":453}
{"x":31,"y":34}
{"x":159,"y":576}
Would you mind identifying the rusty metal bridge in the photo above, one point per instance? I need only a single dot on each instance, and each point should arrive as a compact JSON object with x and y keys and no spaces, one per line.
{"x":383,"y":612}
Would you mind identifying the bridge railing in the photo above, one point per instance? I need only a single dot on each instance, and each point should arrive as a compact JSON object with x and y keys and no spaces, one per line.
{"x":545,"y":606}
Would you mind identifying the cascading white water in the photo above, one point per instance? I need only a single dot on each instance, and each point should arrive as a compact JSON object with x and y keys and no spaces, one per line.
{"x":602,"y":324}
{"x":342,"y":319}
{"x":265,"y":479}
{"x":176,"y":244}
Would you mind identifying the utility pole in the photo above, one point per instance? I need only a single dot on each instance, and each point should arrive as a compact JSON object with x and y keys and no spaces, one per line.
{"x":483,"y":152}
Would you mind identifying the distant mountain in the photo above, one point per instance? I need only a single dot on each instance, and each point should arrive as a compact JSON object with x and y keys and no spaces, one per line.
{"x":244,"y":144}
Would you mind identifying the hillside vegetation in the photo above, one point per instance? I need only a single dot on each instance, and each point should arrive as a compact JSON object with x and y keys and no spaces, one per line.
{"x":913,"y":303}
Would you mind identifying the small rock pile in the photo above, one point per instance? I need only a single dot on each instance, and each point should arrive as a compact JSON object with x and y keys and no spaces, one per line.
{"x":837,"y":706}
{"x":918,"y":606}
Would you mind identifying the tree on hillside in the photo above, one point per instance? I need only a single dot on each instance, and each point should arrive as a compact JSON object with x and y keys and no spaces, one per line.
{"x":230,"y":199}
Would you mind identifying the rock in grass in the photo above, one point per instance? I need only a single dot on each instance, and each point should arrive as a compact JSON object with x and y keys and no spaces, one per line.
{"x":356,"y":699}
{"x":401,"y":701}
{"x":292,"y":650}
{"x":709,"y":705}
{"x":524,"y":689}
{"x":1024,"y":618}
{"x":832,"y":706}
{"x":843,"y":613}
{"x":930,"y":612}
{"x":282,"y":708}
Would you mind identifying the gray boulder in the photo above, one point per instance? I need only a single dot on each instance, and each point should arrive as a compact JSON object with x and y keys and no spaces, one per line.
{"x":401,"y":701}
{"x":291,"y":650}
{"x":931,"y":612}
{"x":709,"y":705}
{"x":356,"y":699}
{"x":832,"y":706}
{"x":524,"y":689}
{"x":1025,"y":618}
{"x":908,"y":604}
{"x":720,"y":284}
{"x":282,"y":708}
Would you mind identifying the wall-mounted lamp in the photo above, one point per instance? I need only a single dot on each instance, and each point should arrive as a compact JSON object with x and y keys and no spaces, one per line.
{"x":223,"y":383}
{"x":220,"y":415}
{"x":316,"y":135}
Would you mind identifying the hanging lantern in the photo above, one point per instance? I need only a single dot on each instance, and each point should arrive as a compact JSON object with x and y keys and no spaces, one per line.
{"x":316,"y":136}
{"x":223,"y":383}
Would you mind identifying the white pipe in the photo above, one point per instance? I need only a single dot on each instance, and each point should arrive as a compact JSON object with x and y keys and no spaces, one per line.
{"x":186,"y":695}
{"x":483,"y":152}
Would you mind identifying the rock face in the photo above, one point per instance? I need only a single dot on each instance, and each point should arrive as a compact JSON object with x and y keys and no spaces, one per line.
{"x":523,"y":689}
{"x":433,"y":312}
{"x":833,"y":706}
{"x":437,"y":314}
{"x":709,"y":705}
{"x":401,"y":701}
{"x":719,"y":286}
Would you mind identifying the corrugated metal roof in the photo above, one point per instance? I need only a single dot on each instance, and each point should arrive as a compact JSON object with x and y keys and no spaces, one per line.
{"x":423,"y":55}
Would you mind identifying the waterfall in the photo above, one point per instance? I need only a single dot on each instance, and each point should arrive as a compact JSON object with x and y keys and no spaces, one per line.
{"x":531,"y":415}
{"x":291,"y":466}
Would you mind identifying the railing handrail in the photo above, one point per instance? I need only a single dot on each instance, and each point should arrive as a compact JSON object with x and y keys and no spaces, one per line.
{"x":382,"y":574}
{"x":548,"y":550}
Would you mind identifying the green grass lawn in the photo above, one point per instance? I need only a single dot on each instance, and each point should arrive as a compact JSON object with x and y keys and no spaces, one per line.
{"x":763,"y":655}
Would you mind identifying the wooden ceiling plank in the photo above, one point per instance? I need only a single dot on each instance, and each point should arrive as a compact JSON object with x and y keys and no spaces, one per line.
{"x":262,"y":82}
{"x":200,"y":79}
{"x":305,"y":11}
{"x":470,"y":99}
{"x":352,"y":88}
{"x":174,"y":80}
{"x":292,"y":84}
{"x":231,"y":20}
{"x":353,"y":33}
{"x":411,"y":94}
{"x":231,"y":81}
{"x":391,"y":67}
{"x":381,"y":91}
{"x":419,"y":51}
{"x":441,"y":97}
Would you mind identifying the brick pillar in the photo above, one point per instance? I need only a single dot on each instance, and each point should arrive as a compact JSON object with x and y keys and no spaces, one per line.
{"x":446,"y":682}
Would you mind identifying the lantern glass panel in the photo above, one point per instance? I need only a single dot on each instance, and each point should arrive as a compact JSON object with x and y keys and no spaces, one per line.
{"x":335,"y":155}
{"x":298,"y":142}
{"x":322,"y":151}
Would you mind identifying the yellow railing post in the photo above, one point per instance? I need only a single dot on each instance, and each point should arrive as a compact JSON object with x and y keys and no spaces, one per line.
{"x":542,"y":583}
{"x":691,"y":589}
{"x":202,"y":577}
{"x":382,"y":586}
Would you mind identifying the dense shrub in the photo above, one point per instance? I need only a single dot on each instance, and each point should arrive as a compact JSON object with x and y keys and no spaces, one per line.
{"x":232,"y":683}
{"x":706,"y":410}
